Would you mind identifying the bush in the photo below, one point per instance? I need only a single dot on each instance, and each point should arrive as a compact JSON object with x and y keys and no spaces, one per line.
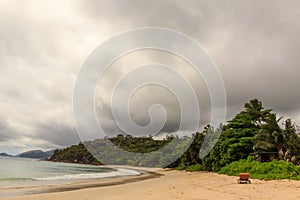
{"x":193,"y":168}
{"x":180,"y":168}
{"x":264,"y":171}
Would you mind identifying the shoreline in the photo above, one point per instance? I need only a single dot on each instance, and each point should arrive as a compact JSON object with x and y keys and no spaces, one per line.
{"x":173,"y":184}
{"x":145,"y":173}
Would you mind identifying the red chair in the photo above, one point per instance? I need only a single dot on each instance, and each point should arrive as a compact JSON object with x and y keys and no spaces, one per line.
{"x":243,"y":178}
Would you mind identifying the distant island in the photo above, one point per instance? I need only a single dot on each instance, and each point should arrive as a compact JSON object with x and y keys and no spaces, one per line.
{"x":5,"y":154}
{"x":37,"y":154}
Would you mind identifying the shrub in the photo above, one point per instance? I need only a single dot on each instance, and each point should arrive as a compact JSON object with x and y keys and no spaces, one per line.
{"x":263,"y":171}
{"x":180,"y":168}
{"x":193,"y":168}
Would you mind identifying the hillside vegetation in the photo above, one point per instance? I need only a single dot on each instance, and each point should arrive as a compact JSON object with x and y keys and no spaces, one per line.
{"x":272,"y":143}
{"x":255,"y":131}
{"x":74,"y":154}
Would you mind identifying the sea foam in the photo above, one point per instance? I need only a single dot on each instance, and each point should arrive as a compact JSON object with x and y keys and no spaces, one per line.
{"x":119,"y":172}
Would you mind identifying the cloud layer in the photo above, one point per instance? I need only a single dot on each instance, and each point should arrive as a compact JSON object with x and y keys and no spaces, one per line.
{"x":44,"y":43}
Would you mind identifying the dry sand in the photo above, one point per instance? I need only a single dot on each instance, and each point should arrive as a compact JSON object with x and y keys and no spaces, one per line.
{"x":181,"y":185}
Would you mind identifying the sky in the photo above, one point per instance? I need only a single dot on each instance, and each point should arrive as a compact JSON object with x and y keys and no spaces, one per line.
{"x":43,"y":45}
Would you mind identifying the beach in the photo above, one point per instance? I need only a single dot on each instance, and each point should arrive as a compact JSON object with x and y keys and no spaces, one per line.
{"x":171,"y":184}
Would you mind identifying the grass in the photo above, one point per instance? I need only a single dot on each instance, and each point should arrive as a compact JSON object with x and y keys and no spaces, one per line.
{"x":273,"y":170}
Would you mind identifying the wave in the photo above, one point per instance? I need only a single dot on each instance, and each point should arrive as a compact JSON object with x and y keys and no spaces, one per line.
{"x":16,"y":179}
{"x":119,"y":172}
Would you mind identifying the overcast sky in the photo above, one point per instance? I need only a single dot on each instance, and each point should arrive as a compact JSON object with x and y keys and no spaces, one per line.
{"x":43,"y":44}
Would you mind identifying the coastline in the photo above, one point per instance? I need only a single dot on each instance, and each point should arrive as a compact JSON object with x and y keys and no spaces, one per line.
{"x":145,"y":173}
{"x":179,"y":185}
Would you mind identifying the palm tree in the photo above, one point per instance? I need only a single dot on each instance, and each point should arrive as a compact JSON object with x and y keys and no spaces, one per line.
{"x":256,"y":110}
{"x":269,"y":138}
{"x":291,"y":137}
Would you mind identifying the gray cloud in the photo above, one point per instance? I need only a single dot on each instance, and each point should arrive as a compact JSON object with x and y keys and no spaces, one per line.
{"x":254,"y":43}
{"x":6,"y":133}
{"x":59,"y":134}
{"x":42,"y":46}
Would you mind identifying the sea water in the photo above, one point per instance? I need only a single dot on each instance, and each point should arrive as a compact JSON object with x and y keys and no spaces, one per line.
{"x":24,"y":172}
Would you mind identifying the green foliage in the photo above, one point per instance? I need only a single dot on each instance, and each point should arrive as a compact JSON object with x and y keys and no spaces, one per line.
{"x":139,"y":144}
{"x":291,"y":138}
{"x":193,"y":168}
{"x":179,"y":167}
{"x":255,"y":110}
{"x":117,"y":151}
{"x":191,"y":156}
{"x":263,"y":170}
{"x":268,"y":137}
{"x":236,"y":142}
{"x":74,"y":154}
{"x":253,"y":131}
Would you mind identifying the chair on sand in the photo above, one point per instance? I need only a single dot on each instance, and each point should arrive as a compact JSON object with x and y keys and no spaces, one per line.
{"x":243,"y":178}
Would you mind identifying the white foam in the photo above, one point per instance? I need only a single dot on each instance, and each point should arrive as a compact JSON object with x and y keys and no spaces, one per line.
{"x":119,"y":172}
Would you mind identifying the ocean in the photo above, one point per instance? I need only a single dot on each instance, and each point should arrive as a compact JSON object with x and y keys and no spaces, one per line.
{"x":23,"y":173}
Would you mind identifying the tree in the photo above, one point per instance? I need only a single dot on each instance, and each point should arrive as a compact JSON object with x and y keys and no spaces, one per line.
{"x":292,"y":140}
{"x":237,"y":138}
{"x":269,"y":138}
{"x":256,"y":111}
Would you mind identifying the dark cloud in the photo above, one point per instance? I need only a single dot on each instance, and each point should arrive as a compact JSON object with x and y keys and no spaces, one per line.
{"x":57,"y":133}
{"x":255,"y":45}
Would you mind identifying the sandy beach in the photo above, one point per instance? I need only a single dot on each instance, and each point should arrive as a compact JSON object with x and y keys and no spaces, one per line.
{"x":180,"y":185}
